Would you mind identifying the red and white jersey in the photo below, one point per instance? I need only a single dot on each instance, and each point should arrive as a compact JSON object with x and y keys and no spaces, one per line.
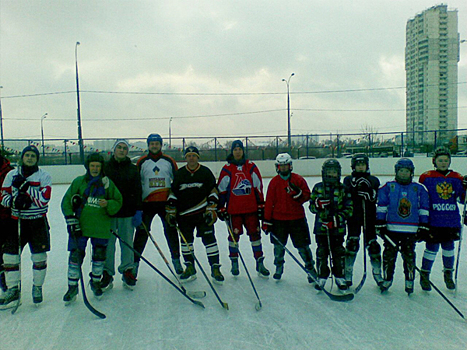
{"x":280,"y":204}
{"x":240,"y":188}
{"x":39,"y":191}
{"x":157,"y":173}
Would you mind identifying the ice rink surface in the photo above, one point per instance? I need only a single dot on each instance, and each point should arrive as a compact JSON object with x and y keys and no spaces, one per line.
{"x":294,"y":315}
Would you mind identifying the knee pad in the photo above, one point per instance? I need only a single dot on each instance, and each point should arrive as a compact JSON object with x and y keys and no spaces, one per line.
{"x":374,"y":248}
{"x":39,"y":261}
{"x":76,"y":256}
{"x":353,"y":244}
{"x":99,"y":253}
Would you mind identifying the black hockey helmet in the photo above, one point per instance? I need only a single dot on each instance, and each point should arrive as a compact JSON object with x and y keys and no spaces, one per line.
{"x":360,"y":158}
{"x":328,"y":165}
{"x":441,"y":151}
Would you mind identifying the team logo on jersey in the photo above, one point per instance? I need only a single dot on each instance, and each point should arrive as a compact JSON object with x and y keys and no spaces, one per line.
{"x":242,"y":186}
{"x":405,"y":208}
{"x":156,"y":170}
{"x":444,"y":190}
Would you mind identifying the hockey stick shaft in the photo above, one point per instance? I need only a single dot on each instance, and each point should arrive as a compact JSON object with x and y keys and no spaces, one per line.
{"x":243,"y":263}
{"x":362,"y":282}
{"x":341,"y":297}
{"x":18,"y":303}
{"x":390,"y":241}
{"x":459,"y":244}
{"x":199,"y":294}
{"x":196,"y":302}
{"x":223,"y":304}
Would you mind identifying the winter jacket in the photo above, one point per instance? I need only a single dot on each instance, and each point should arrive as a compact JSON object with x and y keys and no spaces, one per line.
{"x":94,"y":220}
{"x":39,"y":191}
{"x":403,"y":207}
{"x":126,"y":177}
{"x":241,"y":188}
{"x":338,"y":211}
{"x":280,"y":202}
{"x":444,"y":191}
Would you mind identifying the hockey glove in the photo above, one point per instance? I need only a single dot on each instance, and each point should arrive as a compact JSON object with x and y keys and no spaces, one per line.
{"x":329,"y":225}
{"x":321,"y":204}
{"x":294,"y":191}
{"x":380,"y":226}
{"x":22,"y":201}
{"x":223,"y":215}
{"x":171,"y":213}
{"x":210,"y":215}
{"x":368,"y":196}
{"x":76,"y":201}
{"x":72,"y":226}
{"x":423,"y":233}
{"x":267,"y":227}
{"x":260,"y":211}
{"x":18,"y":181}
{"x":363,"y":184}
{"x":137,"y":218}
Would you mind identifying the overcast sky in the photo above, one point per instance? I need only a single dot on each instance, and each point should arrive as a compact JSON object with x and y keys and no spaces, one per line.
{"x":215,"y":67}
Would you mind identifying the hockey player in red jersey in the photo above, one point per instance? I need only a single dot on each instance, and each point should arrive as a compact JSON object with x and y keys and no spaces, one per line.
{"x":241,"y":203}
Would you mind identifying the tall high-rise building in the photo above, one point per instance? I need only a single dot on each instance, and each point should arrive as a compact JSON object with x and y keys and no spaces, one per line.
{"x":431,"y":57}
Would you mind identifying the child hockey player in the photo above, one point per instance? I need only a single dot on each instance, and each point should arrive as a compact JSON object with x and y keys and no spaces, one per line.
{"x":87,"y":206}
{"x":364,"y":190}
{"x":26,"y":190}
{"x":402,"y":212}
{"x":284,"y":215}
{"x":192,"y":204}
{"x":332,"y":204}
{"x":241,"y":203}
{"x":445,"y":189}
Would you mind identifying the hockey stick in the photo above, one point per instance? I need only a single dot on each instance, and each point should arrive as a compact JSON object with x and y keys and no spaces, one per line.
{"x":362,"y":282}
{"x":258,"y":305}
{"x":223,"y":304}
{"x":390,"y":241}
{"x":334,"y":297}
{"x":85,"y":298}
{"x":196,"y":302}
{"x":459,"y":246}
{"x":18,"y":303}
{"x":193,"y":294}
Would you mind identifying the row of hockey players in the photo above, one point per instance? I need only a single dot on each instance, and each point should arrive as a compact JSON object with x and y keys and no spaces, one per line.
{"x":117,"y":196}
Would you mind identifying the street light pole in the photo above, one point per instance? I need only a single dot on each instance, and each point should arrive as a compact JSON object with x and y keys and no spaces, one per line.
{"x":1,"y":118}
{"x":42,"y":133}
{"x":289,"y":137}
{"x":80,"y":133}
{"x":170,"y":133}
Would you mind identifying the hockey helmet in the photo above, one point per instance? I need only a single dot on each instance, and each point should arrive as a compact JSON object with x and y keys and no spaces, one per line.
{"x":404,"y":163}
{"x":360,"y":158}
{"x":154,"y":137}
{"x":331,"y":164}
{"x":94,"y":157}
{"x":441,"y":151}
{"x":283,"y":159}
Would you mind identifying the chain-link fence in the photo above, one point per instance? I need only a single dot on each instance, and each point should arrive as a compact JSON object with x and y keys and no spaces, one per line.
{"x":388,"y":144}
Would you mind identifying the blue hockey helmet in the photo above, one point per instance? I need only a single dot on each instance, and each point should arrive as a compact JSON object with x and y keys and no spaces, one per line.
{"x":404,"y":163}
{"x":154,"y":137}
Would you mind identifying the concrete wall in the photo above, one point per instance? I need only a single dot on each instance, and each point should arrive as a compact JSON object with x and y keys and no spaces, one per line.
{"x":64,"y":174}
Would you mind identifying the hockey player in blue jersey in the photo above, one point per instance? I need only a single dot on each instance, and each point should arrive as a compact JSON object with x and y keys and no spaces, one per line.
{"x":401,"y":215}
{"x":445,"y":189}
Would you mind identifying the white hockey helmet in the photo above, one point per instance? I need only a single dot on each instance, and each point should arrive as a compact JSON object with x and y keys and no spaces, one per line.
{"x":283,"y":159}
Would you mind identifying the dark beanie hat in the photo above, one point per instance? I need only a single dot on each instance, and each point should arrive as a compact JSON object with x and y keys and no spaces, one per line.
{"x":30,"y":148}
{"x":237,"y":143}
{"x":191,"y":149}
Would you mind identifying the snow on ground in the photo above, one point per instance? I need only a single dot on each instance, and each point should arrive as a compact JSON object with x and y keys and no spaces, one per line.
{"x":294,"y":314}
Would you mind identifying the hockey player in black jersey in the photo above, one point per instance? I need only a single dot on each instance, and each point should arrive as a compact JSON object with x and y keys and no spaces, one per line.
{"x":192,"y":203}
{"x":364,"y":189}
